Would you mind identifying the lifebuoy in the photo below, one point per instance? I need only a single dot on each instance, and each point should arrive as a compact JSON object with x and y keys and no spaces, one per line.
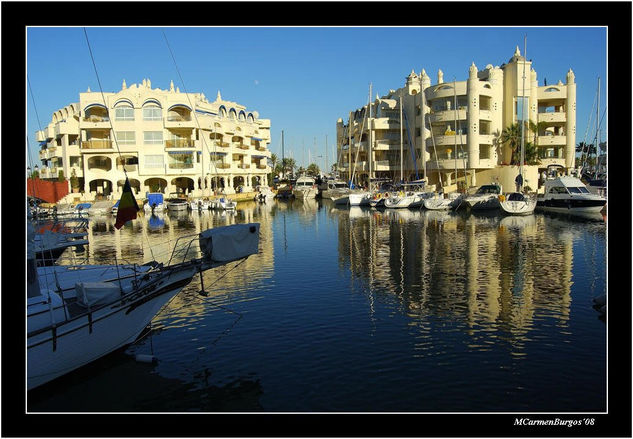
{"x":386,"y":194}
{"x":502,"y":198}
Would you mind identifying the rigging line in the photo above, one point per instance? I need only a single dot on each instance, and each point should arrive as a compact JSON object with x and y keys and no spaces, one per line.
{"x":116,"y":143}
{"x":204,"y":142}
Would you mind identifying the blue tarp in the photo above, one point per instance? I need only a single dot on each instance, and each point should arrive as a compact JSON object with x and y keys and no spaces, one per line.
{"x":154,"y":198}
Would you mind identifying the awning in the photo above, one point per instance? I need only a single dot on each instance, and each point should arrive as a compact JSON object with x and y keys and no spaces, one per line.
{"x":258,"y":156}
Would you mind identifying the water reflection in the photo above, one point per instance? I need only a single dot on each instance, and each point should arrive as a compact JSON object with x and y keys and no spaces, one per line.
{"x":493,"y":276}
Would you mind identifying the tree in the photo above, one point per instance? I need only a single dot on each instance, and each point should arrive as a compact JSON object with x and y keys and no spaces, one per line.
{"x":60,"y":176}
{"x":313,"y":169}
{"x":511,"y":136}
{"x":74,"y":181}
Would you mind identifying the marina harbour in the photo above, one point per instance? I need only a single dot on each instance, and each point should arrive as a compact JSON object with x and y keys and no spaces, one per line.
{"x":357,"y":309}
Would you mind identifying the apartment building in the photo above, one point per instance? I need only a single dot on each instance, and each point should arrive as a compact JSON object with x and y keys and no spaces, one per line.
{"x":451,"y":131}
{"x":162,"y":140}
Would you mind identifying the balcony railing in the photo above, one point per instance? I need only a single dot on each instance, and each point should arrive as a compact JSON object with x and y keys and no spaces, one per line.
{"x":244,"y":166}
{"x":96,"y":144}
{"x":179,"y":143}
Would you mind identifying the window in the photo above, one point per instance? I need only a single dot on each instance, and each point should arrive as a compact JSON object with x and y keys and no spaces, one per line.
{"x":152,"y":137}
{"x":125,"y":137}
{"x":522,"y":108}
{"x":152,"y":112}
{"x":558,"y":190}
{"x":124,"y":113}
{"x":154,"y":161}
{"x":577,"y":190}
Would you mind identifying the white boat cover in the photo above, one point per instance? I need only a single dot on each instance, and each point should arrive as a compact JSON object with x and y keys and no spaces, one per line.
{"x":229,"y":243}
{"x":96,"y":293}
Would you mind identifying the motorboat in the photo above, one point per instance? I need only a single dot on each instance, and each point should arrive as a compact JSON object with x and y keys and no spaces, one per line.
{"x":78,"y":314}
{"x":340,"y":199}
{"x":198,"y":205}
{"x":517,"y":203}
{"x":335,"y":189}
{"x":567,"y":194}
{"x":155,"y":203}
{"x":223,"y":203}
{"x":305,"y":187}
{"x":174,"y":203}
{"x":486,"y":198}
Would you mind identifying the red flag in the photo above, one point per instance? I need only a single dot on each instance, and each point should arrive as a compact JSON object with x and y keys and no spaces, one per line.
{"x":127,"y":206}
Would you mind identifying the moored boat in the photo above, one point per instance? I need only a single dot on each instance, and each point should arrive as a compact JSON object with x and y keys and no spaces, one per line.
{"x":516,"y":203}
{"x":486,"y":198}
{"x":77,"y":314}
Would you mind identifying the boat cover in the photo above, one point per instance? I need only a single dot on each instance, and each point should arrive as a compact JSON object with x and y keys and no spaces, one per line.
{"x":229,"y":243}
{"x":154,"y":198}
{"x":96,"y":293}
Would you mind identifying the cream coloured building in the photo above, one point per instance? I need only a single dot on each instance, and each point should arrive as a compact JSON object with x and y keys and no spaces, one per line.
{"x":163,"y":140}
{"x":454,"y":128}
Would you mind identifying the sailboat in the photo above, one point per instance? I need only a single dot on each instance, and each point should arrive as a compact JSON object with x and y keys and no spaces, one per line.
{"x":518,"y":203}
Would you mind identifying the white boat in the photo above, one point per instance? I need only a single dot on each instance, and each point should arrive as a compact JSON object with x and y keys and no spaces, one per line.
{"x":264,"y":194}
{"x":335,"y":189}
{"x":305,"y":187}
{"x":443,"y":201}
{"x":223,"y":203}
{"x":155,"y":203}
{"x":567,"y":194}
{"x":340,"y":200}
{"x":400,"y":200}
{"x":359,"y":198}
{"x":174,"y":203}
{"x":486,"y":198}
{"x":516,"y":203}
{"x":77,"y":314}
{"x":198,"y":205}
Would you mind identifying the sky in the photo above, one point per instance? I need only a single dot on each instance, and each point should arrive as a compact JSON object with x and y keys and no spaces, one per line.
{"x":301,"y":78}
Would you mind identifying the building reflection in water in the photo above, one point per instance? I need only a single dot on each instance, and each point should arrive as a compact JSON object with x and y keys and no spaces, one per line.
{"x":487,"y":275}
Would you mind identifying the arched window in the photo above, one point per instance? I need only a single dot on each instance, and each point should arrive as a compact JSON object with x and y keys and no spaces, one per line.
{"x":152,"y":110}
{"x":232,"y":113}
{"x":123,"y":110}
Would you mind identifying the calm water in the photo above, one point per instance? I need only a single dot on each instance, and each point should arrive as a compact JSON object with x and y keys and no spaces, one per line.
{"x":362,"y":310}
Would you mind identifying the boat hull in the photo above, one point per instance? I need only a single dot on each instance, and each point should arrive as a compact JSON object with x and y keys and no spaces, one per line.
{"x":84,"y":340}
{"x":571,"y":206}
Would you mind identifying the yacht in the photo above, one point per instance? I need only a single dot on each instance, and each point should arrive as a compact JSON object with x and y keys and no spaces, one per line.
{"x":567,"y":194}
{"x":335,"y":189}
{"x":486,"y":198}
{"x":305,"y":187}
{"x":155,"y":202}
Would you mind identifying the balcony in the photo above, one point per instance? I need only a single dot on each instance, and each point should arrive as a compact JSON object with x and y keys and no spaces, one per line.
{"x":448,"y":116}
{"x":384,"y":123}
{"x":551,"y":141}
{"x":382,"y":165}
{"x":240,"y":145}
{"x":223,"y":165}
{"x":558,"y":117}
{"x":185,"y":143}
{"x":95,"y":122}
{"x":179,"y":122}
{"x":451,"y":140}
{"x":243,"y":165}
{"x":97,"y":144}
{"x":180,"y":168}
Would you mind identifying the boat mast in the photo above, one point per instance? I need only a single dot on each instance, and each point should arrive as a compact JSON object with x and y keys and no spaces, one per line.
{"x":283,"y":164}
{"x":401,"y":163}
{"x":455,"y":126}
{"x":370,"y":143}
{"x":597,"y":130}
{"x":523,"y":112}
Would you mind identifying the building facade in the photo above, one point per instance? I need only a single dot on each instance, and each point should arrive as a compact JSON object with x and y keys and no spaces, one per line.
{"x":162,"y":140}
{"x":451,"y":132}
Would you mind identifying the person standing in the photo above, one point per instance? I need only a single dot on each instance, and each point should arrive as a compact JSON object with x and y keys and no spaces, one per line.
{"x":519,"y":182}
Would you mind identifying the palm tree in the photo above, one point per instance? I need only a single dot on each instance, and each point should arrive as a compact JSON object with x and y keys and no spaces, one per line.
{"x":511,"y":135}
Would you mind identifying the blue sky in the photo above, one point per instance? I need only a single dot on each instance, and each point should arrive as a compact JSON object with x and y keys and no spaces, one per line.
{"x":301,"y":78}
